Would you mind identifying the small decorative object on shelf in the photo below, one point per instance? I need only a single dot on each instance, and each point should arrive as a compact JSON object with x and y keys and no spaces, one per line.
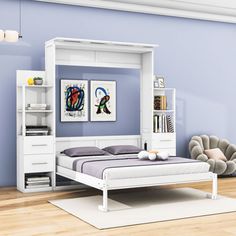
{"x":155,"y":83}
{"x":38,"y":81}
{"x":40,"y":106}
{"x":159,"y":82}
{"x":30,"y":81}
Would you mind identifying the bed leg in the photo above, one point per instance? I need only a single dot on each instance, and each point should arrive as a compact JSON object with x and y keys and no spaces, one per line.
{"x":104,"y":206}
{"x":214,"y":187}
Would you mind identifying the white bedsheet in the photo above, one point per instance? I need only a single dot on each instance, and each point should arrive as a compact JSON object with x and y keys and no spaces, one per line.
{"x":143,"y":171}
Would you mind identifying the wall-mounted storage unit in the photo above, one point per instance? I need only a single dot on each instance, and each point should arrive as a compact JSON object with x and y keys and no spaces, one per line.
{"x":108,"y":54}
{"x":35,"y":133}
{"x":36,"y":156}
{"x":164,"y":119}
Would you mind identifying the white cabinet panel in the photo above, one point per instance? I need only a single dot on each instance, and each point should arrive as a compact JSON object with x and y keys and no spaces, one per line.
{"x":38,"y":145}
{"x":38,"y":163}
{"x":116,"y":57}
{"x":74,"y":57}
{"x":164,"y":140}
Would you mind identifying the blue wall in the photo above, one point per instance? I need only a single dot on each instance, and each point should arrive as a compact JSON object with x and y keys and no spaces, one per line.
{"x":127,"y":102}
{"x":196,"y":57}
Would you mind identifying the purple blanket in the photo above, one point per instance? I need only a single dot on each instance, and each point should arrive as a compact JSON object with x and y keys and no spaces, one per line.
{"x":96,"y":166}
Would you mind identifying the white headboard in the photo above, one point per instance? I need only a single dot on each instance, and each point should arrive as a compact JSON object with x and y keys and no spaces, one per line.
{"x":63,"y":143}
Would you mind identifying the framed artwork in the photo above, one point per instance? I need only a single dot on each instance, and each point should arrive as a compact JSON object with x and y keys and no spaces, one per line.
{"x":102,"y":100}
{"x":74,"y":100}
{"x":155,"y":82}
{"x":161,"y":82}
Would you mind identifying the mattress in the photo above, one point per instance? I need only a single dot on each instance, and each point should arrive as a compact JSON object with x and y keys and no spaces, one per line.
{"x":191,"y":167}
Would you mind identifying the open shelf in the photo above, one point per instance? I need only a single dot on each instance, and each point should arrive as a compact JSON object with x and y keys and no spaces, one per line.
{"x":164,"y":89}
{"x":33,"y":190}
{"x":36,"y":111}
{"x":163,"y":111}
{"x":36,"y":86}
{"x":157,"y":133}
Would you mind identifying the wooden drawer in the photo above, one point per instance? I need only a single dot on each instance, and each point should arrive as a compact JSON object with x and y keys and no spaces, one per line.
{"x":38,"y":145}
{"x":38,"y":163}
{"x":163,"y":140}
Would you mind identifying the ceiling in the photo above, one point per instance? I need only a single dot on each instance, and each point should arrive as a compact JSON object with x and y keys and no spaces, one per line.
{"x":214,"y":10}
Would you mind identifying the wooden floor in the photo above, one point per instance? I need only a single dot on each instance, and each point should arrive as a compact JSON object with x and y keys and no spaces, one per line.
{"x":31,"y":214}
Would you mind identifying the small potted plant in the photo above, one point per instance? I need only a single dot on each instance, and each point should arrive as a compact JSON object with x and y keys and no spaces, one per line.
{"x":38,"y":81}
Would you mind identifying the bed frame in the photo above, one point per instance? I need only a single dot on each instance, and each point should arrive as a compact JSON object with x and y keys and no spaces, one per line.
{"x":107,"y":184}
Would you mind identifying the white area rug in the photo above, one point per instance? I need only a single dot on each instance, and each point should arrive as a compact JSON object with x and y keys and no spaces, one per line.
{"x":145,"y":207}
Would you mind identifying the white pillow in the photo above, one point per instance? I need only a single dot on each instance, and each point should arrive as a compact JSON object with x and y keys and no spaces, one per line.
{"x":162,"y":156}
{"x":143,"y":155}
{"x":152,"y":156}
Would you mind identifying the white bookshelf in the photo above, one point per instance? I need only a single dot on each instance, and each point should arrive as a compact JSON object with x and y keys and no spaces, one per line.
{"x":35,"y":154}
{"x":164,"y":138}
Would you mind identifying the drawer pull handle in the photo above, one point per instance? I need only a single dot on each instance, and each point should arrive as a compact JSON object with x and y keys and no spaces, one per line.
{"x":40,"y":163}
{"x":165,"y":140}
{"x":39,"y":145}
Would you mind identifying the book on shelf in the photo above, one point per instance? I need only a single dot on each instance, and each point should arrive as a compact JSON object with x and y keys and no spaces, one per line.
{"x":37,"y":182}
{"x":37,"y":178}
{"x":155,"y":124}
{"x":163,"y":124}
{"x":32,"y":130}
{"x":170,"y":126}
{"x":37,"y":186}
{"x":160,"y":102}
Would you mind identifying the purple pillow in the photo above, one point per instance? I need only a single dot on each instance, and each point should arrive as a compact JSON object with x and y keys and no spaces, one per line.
{"x":83,"y":151}
{"x":122,"y":149}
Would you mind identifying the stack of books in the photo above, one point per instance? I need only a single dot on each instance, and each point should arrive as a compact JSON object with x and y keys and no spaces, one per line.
{"x":36,"y":130}
{"x":160,"y":103}
{"x":36,"y":106}
{"x":37,"y":182}
{"x":163,"y":124}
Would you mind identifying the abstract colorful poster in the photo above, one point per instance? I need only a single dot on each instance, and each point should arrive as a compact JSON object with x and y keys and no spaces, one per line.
{"x":74,"y":100}
{"x":103,"y":100}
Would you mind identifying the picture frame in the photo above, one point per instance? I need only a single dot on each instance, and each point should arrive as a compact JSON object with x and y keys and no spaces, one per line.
{"x":161,"y":82}
{"x":74,"y":100}
{"x":155,"y":82}
{"x":102,"y":100}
